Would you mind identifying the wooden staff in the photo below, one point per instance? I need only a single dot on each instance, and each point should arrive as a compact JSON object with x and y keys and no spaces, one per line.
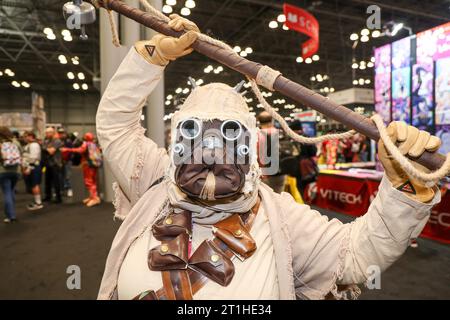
{"x":283,"y":85}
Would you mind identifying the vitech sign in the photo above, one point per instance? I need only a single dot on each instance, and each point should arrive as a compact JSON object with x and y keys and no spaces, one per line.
{"x":302,"y":21}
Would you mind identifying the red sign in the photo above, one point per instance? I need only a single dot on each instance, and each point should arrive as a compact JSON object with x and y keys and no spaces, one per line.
{"x":302,"y":21}
{"x":352,"y":196}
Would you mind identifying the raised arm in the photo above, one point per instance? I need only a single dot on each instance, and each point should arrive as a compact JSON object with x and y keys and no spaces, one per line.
{"x":135,"y":160}
{"x":329,"y":253}
{"x":121,"y":136}
{"x":81,"y":149}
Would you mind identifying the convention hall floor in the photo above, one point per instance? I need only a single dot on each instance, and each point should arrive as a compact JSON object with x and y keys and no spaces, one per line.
{"x":36,"y":251}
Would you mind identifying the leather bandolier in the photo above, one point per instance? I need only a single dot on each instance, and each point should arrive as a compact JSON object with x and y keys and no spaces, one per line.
{"x":184,"y":275}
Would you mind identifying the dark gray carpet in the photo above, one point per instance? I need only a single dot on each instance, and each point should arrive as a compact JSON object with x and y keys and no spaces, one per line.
{"x":36,"y":251}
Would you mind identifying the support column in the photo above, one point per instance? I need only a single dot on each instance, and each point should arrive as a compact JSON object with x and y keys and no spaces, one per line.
{"x":110,"y":59}
{"x":154,"y":112}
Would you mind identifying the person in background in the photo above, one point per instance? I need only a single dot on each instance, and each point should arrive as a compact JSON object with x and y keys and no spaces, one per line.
{"x":308,"y":167}
{"x":32,"y":169}
{"x":10,"y":162}
{"x":268,"y":132}
{"x":364,"y":150}
{"x":52,"y":161}
{"x":330,"y":151}
{"x":66,"y":175}
{"x":347,"y":150}
{"x":91,"y":160}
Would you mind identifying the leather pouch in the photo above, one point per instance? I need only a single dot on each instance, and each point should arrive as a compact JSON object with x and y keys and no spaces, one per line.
{"x":212,"y":263}
{"x":147,"y":295}
{"x":170,"y":255}
{"x":233,"y":232}
{"x":173,"y":225}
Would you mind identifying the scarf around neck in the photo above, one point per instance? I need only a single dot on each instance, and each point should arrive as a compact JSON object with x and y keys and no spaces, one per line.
{"x":207,"y":212}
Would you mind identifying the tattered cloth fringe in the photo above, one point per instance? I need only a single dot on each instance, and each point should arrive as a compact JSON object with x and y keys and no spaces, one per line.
{"x":139,"y":140}
{"x":117,"y":202}
{"x":348,"y":292}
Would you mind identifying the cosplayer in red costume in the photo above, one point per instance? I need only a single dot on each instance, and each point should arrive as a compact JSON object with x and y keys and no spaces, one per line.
{"x":90,"y":169}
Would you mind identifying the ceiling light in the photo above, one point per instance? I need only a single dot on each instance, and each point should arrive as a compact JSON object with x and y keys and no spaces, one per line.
{"x":326,"y":89}
{"x":199,"y":82}
{"x":171,"y":2}
{"x":169,"y":97}
{"x":51,"y":36}
{"x":243,"y":54}
{"x":190,"y":4}
{"x":281,"y":18}
{"x":325,"y":77}
{"x":313,"y":78}
{"x":186,"y":90}
{"x":316,"y":57}
{"x":68,"y":39}
{"x":367,"y":81}
{"x":167,"y":9}
{"x":76,"y":86}
{"x":364,"y":38}
{"x":66,"y":33}
{"x":220,"y":68}
{"x":308,"y":60}
{"x":354,"y":37}
{"x":167,"y":103}
{"x":396,"y":29}
{"x":355,"y":82}
{"x":361,"y":81}
{"x":331,"y":89}
{"x":372,"y":59}
{"x":370,"y":64}
{"x":84,"y":86}
{"x":25,"y":84}
{"x":365,"y":32}
{"x":1,"y":73}
{"x":70,"y":75}
{"x":273,"y":24}
{"x":376,"y":33}
{"x":237,"y":49}
{"x":285,"y":27}
{"x":81,"y":76}
{"x":179,"y":90}
{"x":207,"y":70}
{"x":48,"y":31}
{"x":249,"y":50}
{"x":362,"y":67}
{"x":185,"y":11}
{"x":15,"y":84}
{"x":75,"y":61}
{"x":299,"y":59}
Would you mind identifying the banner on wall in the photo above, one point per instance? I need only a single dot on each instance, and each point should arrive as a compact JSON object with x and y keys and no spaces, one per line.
{"x":302,"y":21}
{"x":383,"y":82}
{"x":401,"y":80}
{"x":433,"y":44}
{"x":422,"y":96}
{"x":443,"y":133}
{"x":442,"y":89}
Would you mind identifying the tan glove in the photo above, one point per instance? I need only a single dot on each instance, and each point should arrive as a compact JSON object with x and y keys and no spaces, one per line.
{"x":413,"y":142}
{"x":161,"y":49}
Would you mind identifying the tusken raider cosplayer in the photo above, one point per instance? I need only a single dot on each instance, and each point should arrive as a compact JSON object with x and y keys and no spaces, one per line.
{"x":199,"y":224}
